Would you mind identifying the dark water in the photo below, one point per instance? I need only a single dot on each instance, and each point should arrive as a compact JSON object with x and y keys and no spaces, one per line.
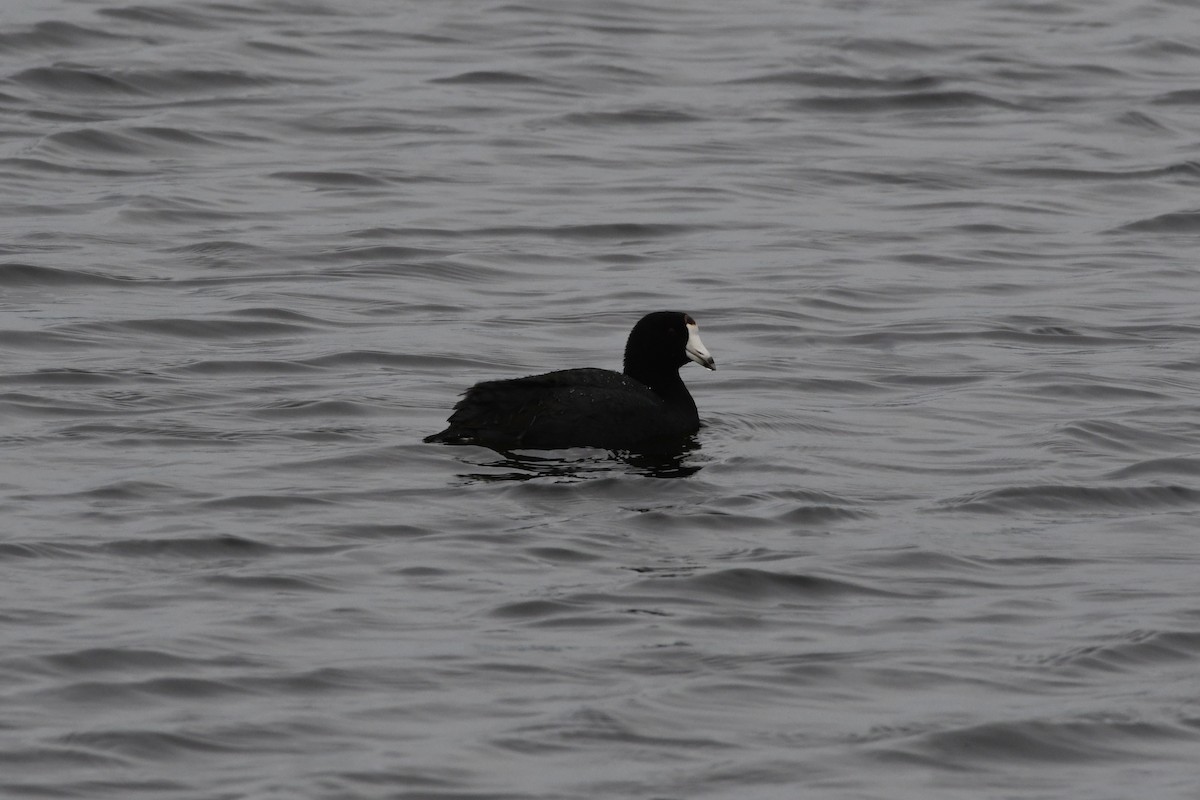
{"x":937,"y":538}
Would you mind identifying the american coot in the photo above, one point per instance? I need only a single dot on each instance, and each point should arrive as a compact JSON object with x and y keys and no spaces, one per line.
{"x":591,"y":407}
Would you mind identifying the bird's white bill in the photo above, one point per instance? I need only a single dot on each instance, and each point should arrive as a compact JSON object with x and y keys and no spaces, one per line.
{"x":695,"y":349}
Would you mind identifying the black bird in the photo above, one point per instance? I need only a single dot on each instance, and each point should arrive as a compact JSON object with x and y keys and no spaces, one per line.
{"x":591,"y":407}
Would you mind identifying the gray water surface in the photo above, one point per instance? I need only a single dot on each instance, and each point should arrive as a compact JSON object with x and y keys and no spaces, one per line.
{"x":936,"y":538}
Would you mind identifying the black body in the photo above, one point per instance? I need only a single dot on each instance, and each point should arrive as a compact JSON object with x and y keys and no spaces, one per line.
{"x":588,"y":407}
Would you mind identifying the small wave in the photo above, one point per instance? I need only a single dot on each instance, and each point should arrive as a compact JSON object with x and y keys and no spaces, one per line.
{"x":278,"y":314}
{"x":206,"y":81}
{"x":545,"y":472}
{"x":74,"y":81}
{"x":1144,"y":122}
{"x":1082,"y":387}
{"x":306,"y":409}
{"x":56,"y":36}
{"x":123,"y":661}
{"x":632,"y":116}
{"x":878,"y":46}
{"x":73,"y":167}
{"x":212,"y":329}
{"x":1117,"y":437}
{"x":172,"y":16}
{"x":331,"y":179}
{"x":126,"y":694}
{"x":280,"y":49}
{"x":140,"y":141}
{"x":224,"y":546}
{"x":1096,"y":499}
{"x":612,"y":231}
{"x":803,"y":508}
{"x":149,"y":744}
{"x":757,"y":585}
{"x":1080,"y":740}
{"x":368,"y":531}
{"x":1166,"y":46}
{"x":928,"y":380}
{"x":96,"y":141}
{"x":1179,"y":97}
{"x":534,"y":609}
{"x":220,"y":254}
{"x":255,"y":367}
{"x":1180,"y":466}
{"x":149,"y":210}
{"x":1129,"y":652}
{"x":1171,"y":222}
{"x":125,"y":491}
{"x":24,"y":550}
{"x":489,"y":78}
{"x":219,"y":246}
{"x":909,"y":101}
{"x":440,"y":270}
{"x":270,"y":583}
{"x":923,"y":179}
{"x":19,"y":275}
{"x":377,"y":253}
{"x":176,"y":136}
{"x":381,"y":358}
{"x":63,"y":760}
{"x":171,"y":434}
{"x":46,"y":340}
{"x":591,"y":725}
{"x":820,"y":515}
{"x":595,"y":231}
{"x":267,"y":502}
{"x":561,"y":555}
{"x":928,"y":561}
{"x":138,"y":85}
{"x":1189,"y":170}
{"x":61,"y":376}
{"x":340,"y":123}
{"x":829,"y":80}
{"x":1051,"y":334}
{"x":50,"y":404}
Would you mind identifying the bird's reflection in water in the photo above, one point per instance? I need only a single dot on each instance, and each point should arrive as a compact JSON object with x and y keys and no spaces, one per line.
{"x":662,"y":460}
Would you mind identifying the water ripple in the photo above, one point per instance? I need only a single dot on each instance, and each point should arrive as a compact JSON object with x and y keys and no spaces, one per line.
{"x":1084,"y":499}
{"x":935,"y":536}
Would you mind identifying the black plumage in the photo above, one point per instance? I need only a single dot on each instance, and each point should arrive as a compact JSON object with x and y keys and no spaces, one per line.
{"x":591,"y":407}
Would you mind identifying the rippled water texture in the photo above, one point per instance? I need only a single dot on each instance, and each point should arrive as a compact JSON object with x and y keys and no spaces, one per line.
{"x":937,"y":538}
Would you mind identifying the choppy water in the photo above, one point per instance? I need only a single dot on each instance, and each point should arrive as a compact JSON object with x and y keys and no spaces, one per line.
{"x":937,"y":538}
